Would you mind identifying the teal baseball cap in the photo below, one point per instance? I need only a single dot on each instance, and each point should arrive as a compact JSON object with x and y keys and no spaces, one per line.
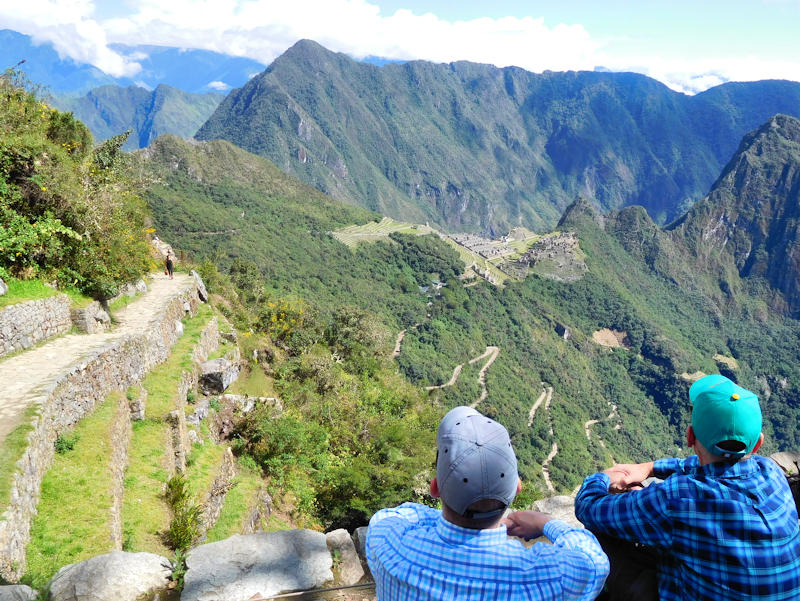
{"x":724,"y":411}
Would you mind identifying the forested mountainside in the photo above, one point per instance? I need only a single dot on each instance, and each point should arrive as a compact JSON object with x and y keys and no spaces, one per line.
{"x":111,"y":110}
{"x":584,"y":372}
{"x":476,"y":148}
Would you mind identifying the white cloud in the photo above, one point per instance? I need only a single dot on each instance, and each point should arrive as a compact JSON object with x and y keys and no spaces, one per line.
{"x":218,"y":85}
{"x":69,"y":26}
{"x":263,"y":29}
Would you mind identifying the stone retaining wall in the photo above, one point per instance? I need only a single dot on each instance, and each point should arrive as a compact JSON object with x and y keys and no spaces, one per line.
{"x":113,"y":367}
{"x":208,"y":343}
{"x":215,"y":498}
{"x":25,"y":324}
{"x":91,"y":319}
{"x":121,"y":432}
{"x":180,"y":437}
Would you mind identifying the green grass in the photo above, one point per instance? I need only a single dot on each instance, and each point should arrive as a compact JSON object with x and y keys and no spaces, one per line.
{"x":378,"y":230}
{"x":202,"y":465}
{"x":145,"y":516}
{"x":238,"y":503}
{"x":73,"y":517}
{"x":223,"y":350}
{"x":20,"y":291}
{"x":11,"y":450}
{"x":162,"y":382}
{"x":253,"y":382}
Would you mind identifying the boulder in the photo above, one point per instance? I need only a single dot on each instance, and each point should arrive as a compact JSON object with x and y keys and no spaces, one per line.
{"x":360,"y":537}
{"x":17,"y":592}
{"x":3,"y":287}
{"x":119,"y":575}
{"x":202,"y":293}
{"x":788,"y":461}
{"x":346,"y":561}
{"x":216,"y":375}
{"x":263,"y":564}
{"x":560,"y":507}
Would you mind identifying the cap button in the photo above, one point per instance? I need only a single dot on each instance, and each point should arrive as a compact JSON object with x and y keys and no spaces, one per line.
{"x":734,"y":397}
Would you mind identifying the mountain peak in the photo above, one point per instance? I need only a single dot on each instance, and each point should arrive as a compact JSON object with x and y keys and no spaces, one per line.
{"x":751,"y":217}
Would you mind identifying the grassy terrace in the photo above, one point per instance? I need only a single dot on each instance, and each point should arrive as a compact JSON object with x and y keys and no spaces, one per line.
{"x":145,"y":515}
{"x":73,"y":519}
{"x":376,"y":230}
{"x":20,"y":291}
{"x":238,"y":503}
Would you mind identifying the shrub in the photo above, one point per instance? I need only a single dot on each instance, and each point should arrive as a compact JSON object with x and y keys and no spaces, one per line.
{"x":66,"y":442}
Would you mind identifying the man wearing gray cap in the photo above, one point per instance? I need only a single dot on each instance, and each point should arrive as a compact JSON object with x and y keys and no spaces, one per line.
{"x":463,"y":552}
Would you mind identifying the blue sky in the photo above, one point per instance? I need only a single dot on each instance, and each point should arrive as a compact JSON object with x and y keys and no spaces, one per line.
{"x":689,"y":46}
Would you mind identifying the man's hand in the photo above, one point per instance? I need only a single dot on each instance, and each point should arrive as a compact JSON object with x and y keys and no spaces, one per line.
{"x":526,"y":524}
{"x":628,"y":476}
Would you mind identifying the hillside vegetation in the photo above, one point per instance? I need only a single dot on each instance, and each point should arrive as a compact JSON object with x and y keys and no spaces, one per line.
{"x":634,"y":396}
{"x":475,"y":148}
{"x":70,"y":211}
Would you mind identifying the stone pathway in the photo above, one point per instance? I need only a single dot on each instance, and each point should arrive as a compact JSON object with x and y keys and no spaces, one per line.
{"x":25,"y":378}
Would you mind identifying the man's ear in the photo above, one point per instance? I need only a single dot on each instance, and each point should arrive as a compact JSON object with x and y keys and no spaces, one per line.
{"x":435,"y":489}
{"x":690,"y":438}
{"x":759,"y":443}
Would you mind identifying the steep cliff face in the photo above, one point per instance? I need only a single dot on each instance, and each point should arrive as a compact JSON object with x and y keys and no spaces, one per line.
{"x":477,"y":148}
{"x":751,"y":218}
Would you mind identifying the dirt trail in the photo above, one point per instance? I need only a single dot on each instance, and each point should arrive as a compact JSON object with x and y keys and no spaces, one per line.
{"x":491,"y":352}
{"x":546,"y":469}
{"x":545,"y":393}
{"x":26,"y":377}
{"x":587,"y":426}
{"x":546,"y":397}
{"x":398,"y":344}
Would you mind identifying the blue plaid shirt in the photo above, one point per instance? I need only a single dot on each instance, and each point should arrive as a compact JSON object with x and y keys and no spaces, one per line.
{"x":415,"y":554}
{"x":724,"y":530}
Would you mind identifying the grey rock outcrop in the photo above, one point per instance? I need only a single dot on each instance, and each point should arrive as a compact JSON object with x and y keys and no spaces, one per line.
{"x":3,"y":287}
{"x":347,"y":563}
{"x":17,"y":592}
{"x":216,"y":375}
{"x":262,"y":564}
{"x":119,"y":575}
{"x":201,"y":287}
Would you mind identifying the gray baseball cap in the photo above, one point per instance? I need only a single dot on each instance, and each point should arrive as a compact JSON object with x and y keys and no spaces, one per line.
{"x":475,"y":461}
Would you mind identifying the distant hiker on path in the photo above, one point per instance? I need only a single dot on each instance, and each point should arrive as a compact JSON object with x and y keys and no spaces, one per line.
{"x":722,"y":525}
{"x":170,"y":265}
{"x":463,"y":552}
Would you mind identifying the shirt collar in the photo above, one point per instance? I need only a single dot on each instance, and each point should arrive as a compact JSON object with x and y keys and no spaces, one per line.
{"x":727,"y":469}
{"x":457,"y":535}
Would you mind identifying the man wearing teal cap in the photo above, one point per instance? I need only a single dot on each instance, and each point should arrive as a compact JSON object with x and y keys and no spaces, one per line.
{"x":722,"y":524}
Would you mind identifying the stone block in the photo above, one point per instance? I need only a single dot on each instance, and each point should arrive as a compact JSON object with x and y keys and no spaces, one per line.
{"x":346,"y":561}
{"x":262,"y":564}
{"x":3,"y":287}
{"x":216,"y":375}
{"x":119,"y":575}
{"x":17,"y":592}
